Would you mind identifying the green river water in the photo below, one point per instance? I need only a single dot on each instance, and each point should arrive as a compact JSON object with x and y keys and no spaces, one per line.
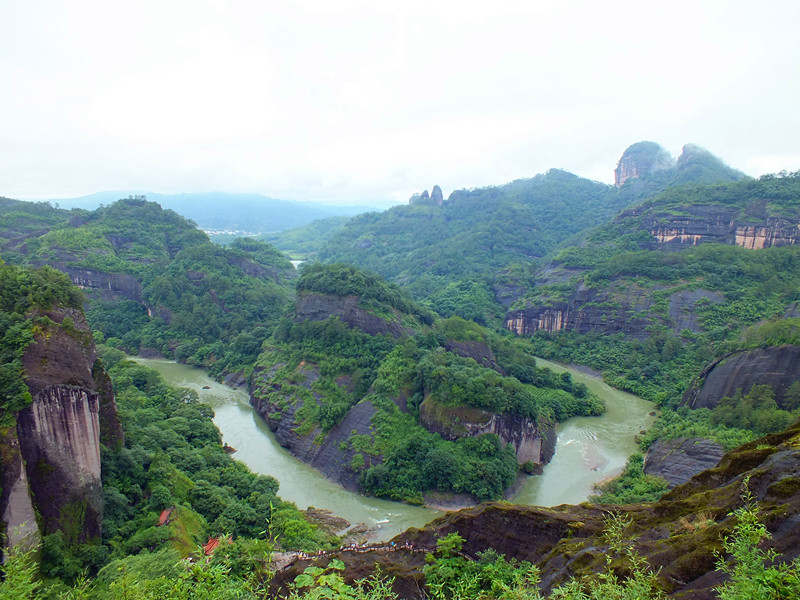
{"x":589,"y":449}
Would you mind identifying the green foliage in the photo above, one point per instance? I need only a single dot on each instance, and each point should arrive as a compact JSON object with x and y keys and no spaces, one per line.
{"x":344,"y":280}
{"x":776,"y":332}
{"x":452,"y":380}
{"x":470,"y":299}
{"x":173,"y":455}
{"x":322,"y":369}
{"x":452,"y":576}
{"x":307,"y":240}
{"x":20,"y":220}
{"x":685,"y":422}
{"x":633,"y":485}
{"x":658,"y":368}
{"x":769,"y":195}
{"x":416,"y":461}
{"x":752,"y":570}
{"x":23,"y":294}
{"x":733,"y":422}
{"x":160,"y":576}
{"x":756,"y":411}
{"x":20,"y":573}
{"x":743,"y":289}
{"x":472,"y":236}
{"x":209,"y":306}
{"x":328,"y":583}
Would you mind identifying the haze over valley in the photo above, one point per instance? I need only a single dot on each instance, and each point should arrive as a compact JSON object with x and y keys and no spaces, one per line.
{"x":419,"y":301}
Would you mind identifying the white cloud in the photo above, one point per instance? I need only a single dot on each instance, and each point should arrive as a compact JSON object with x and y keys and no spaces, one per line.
{"x":356,"y":101}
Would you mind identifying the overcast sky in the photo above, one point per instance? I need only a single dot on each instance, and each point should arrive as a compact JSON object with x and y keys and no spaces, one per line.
{"x":367,"y":102}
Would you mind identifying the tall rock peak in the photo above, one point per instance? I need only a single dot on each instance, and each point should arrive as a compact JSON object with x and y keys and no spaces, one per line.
{"x":435,"y":197}
{"x":640,"y":159}
{"x":50,"y":464}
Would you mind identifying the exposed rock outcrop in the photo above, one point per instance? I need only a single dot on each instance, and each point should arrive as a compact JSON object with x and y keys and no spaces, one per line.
{"x":318,"y":307}
{"x":776,"y":366}
{"x":680,"y":459}
{"x":532,"y":442}
{"x":328,"y":452}
{"x":480,"y":352}
{"x":435,"y":197}
{"x":105,"y":286}
{"x":52,"y":454}
{"x":715,"y":224}
{"x":647,"y":163}
{"x":678,"y":534}
{"x":640,"y":159}
{"x":609,"y":310}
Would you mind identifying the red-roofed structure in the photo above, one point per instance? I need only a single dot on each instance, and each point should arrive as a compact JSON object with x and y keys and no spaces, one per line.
{"x":212,"y":544}
{"x":164,"y":518}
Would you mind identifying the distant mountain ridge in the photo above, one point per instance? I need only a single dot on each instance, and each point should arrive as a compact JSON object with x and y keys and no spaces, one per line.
{"x":249,"y":213}
{"x":483,"y":233}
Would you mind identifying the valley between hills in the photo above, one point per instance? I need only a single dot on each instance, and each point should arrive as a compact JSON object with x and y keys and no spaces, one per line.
{"x":403,"y":361}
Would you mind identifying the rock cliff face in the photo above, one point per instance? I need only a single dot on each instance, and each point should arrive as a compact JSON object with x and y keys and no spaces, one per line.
{"x":51,"y":457}
{"x":609,"y":311}
{"x":435,"y":197}
{"x":648,"y":164}
{"x":678,"y":534}
{"x":329,"y":453}
{"x":318,"y":307}
{"x":480,"y":352}
{"x":532,"y":443}
{"x":777,"y":367}
{"x":105,"y":286}
{"x":640,"y":159}
{"x":714,"y":224}
{"x":679,"y":460}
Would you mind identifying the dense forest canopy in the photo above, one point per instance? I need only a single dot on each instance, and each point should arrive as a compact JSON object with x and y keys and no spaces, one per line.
{"x":451,"y":268}
{"x":183,"y":296}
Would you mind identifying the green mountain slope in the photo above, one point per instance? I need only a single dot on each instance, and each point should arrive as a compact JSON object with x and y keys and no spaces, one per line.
{"x":252,"y":213}
{"x":668,"y":287}
{"x":487,"y":236}
{"x":474,"y":233}
{"x":363,"y":385}
{"x":155,"y":281}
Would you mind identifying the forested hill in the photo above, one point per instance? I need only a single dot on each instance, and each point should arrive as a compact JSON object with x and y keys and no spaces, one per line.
{"x":154,"y":280}
{"x":687,"y":278}
{"x":363,"y":384}
{"x":484,"y":236}
{"x":474,"y":234}
{"x":252,"y":213}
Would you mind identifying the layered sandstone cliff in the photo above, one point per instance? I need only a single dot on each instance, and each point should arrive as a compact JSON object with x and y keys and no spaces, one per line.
{"x":615,"y":309}
{"x":51,"y":455}
{"x":532,"y":442}
{"x":715,"y":224}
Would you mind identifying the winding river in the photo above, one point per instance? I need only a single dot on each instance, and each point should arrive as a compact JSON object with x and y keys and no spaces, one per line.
{"x":589,"y":449}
